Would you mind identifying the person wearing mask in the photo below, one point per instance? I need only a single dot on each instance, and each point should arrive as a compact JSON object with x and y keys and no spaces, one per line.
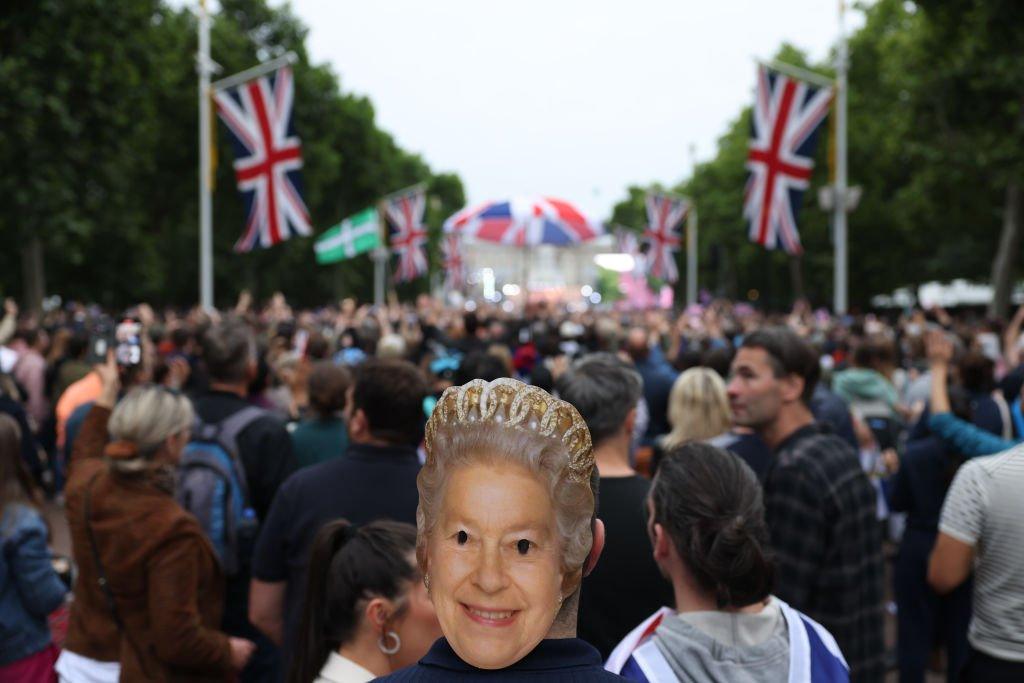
{"x":366,"y":610}
{"x":710,"y":539}
{"x":820,"y":505}
{"x":29,"y":588}
{"x":323,"y":435}
{"x":506,"y":531}
{"x":265,"y":451}
{"x":375,"y":479}
{"x":626,"y":586}
{"x":149,"y":592}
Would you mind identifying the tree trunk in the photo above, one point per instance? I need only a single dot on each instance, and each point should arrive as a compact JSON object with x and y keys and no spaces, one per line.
{"x":1006,"y":255}
{"x":32,"y":276}
{"x":796,"y":276}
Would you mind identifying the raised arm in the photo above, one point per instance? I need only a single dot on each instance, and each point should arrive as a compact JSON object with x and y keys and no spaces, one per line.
{"x":963,"y":436}
{"x":93,"y":436}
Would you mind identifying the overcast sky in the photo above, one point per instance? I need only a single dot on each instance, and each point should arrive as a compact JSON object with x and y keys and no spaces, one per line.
{"x":573,"y":99}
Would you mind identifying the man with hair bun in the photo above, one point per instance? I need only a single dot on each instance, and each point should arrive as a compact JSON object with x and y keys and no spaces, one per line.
{"x":819,"y":504}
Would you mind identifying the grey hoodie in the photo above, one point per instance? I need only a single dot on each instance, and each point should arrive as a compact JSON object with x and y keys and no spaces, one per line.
{"x":720,"y":647}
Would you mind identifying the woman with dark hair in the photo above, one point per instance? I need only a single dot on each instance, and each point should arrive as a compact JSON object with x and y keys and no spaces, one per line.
{"x":29,"y":588}
{"x":706,"y":522}
{"x":323,"y":435}
{"x":366,"y":612}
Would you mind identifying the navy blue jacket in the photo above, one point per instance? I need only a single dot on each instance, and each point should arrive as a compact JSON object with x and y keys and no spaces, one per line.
{"x":565,"y":660}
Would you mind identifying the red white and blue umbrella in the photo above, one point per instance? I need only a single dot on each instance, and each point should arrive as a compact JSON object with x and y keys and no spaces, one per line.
{"x":525,"y":222}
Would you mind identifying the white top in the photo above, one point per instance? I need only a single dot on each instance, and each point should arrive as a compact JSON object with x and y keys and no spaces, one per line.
{"x":73,"y":668}
{"x":338,"y":669}
{"x":985,"y":509}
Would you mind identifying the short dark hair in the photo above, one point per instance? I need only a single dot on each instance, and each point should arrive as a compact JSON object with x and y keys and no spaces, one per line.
{"x":788,"y":355}
{"x":390,"y":393}
{"x":977,"y":372}
{"x":228,"y":349}
{"x":480,"y":365}
{"x":709,"y":502}
{"x":603,"y":389}
{"x":78,"y":344}
{"x":328,"y":386}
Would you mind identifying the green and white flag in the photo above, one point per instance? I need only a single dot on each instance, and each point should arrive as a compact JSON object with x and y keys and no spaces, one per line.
{"x":354,"y":235}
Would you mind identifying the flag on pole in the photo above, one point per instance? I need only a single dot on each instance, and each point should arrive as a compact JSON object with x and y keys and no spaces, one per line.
{"x":665,"y":215}
{"x":268,"y":156}
{"x":454,"y":268}
{"x":403,"y":212}
{"x":783,"y":133}
{"x":355,"y":235}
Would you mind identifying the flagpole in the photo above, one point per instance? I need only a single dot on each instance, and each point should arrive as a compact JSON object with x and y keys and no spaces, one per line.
{"x":840,"y":271}
{"x":691,"y":256}
{"x":205,"y":198}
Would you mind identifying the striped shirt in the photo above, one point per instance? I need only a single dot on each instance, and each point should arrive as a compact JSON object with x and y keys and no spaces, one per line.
{"x":985,"y":509}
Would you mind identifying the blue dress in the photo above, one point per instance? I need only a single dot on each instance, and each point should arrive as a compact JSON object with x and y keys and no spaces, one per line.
{"x":556,"y":660}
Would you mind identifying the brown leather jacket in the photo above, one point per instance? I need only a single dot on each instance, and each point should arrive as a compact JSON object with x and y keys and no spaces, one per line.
{"x":163,"y":572}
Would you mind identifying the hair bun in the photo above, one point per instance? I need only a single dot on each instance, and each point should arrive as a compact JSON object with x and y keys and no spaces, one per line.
{"x":737,"y":563}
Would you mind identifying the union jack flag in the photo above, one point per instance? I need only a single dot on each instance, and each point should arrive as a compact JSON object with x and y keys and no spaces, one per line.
{"x":784,"y":130}
{"x":665,"y":215}
{"x":403,"y":212}
{"x":268,"y":156}
{"x":454,"y":268}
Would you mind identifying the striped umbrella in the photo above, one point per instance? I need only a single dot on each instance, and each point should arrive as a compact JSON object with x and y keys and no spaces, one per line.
{"x":525,"y":222}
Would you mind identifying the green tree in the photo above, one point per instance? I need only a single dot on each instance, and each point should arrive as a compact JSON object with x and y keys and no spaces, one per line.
{"x":98,"y":112}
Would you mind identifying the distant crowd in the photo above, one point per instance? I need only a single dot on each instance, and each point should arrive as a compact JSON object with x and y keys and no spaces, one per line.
{"x":241,"y":490}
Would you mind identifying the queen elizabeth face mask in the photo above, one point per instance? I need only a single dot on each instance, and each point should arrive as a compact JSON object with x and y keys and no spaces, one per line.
{"x":494,"y":560}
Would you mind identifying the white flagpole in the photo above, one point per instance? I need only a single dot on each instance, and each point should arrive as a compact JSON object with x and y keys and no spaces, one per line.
{"x":840,"y":272}
{"x":205,"y":200}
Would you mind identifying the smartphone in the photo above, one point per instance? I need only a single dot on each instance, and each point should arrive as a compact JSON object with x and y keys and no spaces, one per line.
{"x":128,"y":340}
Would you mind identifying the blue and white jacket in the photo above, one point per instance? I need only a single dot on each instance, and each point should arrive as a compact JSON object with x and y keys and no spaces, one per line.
{"x":814,"y":656}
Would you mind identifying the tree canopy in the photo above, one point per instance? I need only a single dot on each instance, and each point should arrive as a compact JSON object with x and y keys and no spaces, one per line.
{"x":99,"y":142}
{"x":936,"y":141}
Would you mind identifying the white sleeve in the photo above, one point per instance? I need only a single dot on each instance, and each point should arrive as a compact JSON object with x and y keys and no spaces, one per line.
{"x":963,"y":512}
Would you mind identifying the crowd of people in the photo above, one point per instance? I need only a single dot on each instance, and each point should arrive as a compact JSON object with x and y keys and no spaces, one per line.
{"x":427,"y":492}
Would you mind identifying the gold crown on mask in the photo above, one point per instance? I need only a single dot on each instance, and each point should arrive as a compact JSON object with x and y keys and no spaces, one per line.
{"x":506,"y":402}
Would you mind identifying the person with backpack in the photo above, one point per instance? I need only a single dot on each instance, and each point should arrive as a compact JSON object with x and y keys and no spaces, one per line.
{"x":149,"y":592}
{"x":253,"y":451}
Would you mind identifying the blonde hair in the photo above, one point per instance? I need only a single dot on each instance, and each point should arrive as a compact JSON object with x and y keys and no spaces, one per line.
{"x":146,"y":417}
{"x":698,"y":408}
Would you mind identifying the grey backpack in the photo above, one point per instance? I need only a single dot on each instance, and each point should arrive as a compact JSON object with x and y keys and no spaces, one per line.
{"x":212,"y":486}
